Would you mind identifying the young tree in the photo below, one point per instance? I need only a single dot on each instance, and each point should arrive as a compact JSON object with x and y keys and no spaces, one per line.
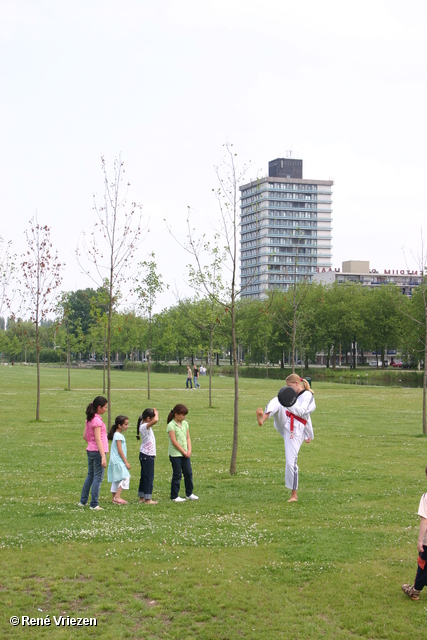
{"x":206,"y":316}
{"x":383,"y":319}
{"x":166,"y":336}
{"x":206,"y":312}
{"x":41,"y":271}
{"x":418,"y":315}
{"x":229,"y":177}
{"x":112,"y":244}
{"x":80,"y":305}
{"x":148,"y":285}
{"x":289,"y":313}
{"x":70,"y":334}
{"x":7,"y":275}
{"x":97,"y":334}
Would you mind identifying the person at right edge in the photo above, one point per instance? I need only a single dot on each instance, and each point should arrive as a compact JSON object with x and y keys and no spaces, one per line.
{"x":413,"y":591}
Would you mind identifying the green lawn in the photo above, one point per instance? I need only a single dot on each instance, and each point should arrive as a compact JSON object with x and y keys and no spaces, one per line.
{"x":240,"y":562}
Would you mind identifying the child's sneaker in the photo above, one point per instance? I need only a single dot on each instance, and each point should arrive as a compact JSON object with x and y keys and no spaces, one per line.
{"x":192,"y":497}
{"x":178,"y":499}
{"x":410,"y":591}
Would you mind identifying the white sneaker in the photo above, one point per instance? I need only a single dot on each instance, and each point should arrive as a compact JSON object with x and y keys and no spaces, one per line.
{"x":192,"y":497}
{"x":82,"y":505}
{"x":98,"y":508}
{"x":178,"y":499}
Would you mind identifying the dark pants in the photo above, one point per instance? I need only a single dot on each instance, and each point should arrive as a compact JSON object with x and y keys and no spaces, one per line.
{"x":95,"y":475}
{"x":421,"y":577}
{"x":180,"y":466}
{"x":189,"y":382}
{"x":147,"y":476}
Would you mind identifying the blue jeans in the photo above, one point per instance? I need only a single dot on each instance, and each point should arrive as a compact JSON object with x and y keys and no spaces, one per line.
{"x":147,"y":476}
{"x":181,"y":465}
{"x":189,"y":380}
{"x":196,"y":382}
{"x":95,"y":476}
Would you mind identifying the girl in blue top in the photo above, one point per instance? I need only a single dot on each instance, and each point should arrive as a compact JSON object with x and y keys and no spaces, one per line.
{"x":118,"y":467}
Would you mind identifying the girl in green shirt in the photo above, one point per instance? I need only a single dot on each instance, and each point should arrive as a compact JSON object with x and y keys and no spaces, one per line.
{"x":179,"y":453}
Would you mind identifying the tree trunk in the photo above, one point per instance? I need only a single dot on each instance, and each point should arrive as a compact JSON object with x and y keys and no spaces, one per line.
{"x":266,"y":358}
{"x":149,"y":356}
{"x":103,"y":368}
{"x":69,"y":357}
{"x":233,"y":464}
{"x":425,"y":379}
{"x":110,"y":314}
{"x":38,"y":369}
{"x":210,"y":368}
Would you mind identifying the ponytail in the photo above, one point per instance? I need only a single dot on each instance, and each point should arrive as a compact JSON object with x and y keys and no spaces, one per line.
{"x":147,"y":413}
{"x":92,"y":407}
{"x":178,"y":408}
{"x":294,"y":377}
{"x":118,"y":423}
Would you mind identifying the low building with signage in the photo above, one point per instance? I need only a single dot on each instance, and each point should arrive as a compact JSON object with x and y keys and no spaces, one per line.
{"x":359,"y":271}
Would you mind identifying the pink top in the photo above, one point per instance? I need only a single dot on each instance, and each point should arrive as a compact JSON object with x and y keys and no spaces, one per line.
{"x":90,"y":434}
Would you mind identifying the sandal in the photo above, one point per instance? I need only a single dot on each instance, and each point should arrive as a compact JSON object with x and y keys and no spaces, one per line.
{"x":411,"y":592}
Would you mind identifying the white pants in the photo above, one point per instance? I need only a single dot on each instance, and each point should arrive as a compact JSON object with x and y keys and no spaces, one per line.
{"x":292,"y":447}
{"x":124,"y":484}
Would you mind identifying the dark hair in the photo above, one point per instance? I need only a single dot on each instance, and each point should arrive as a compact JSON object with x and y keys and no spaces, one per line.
{"x":91,"y":408}
{"x":178,"y":408}
{"x":147,"y":413}
{"x":120,"y":420}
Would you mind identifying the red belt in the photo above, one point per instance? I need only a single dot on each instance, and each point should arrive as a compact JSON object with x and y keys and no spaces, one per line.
{"x":294,"y":417}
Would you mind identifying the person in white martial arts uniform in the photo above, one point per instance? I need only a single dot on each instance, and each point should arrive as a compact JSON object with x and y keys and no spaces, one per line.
{"x":294,"y":425}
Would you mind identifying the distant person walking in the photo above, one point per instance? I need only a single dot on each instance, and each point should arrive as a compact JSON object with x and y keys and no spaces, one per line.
{"x":179,"y":453}
{"x":189,"y":378}
{"x":196,"y":377}
{"x":95,"y":434}
{"x":293,"y":424}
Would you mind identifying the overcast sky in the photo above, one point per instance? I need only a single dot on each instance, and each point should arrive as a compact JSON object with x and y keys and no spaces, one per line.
{"x":340,"y":84}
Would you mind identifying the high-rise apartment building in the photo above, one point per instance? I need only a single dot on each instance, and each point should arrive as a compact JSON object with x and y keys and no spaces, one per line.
{"x":286,"y":228}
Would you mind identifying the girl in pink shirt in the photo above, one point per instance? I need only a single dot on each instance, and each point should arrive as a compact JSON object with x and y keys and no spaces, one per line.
{"x":95,"y":434}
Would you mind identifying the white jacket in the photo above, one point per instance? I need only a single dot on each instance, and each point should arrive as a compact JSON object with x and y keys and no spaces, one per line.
{"x":303,"y":407}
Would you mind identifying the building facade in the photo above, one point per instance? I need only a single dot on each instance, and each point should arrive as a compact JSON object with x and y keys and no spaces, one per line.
{"x":286,"y":229}
{"x":359,"y":271}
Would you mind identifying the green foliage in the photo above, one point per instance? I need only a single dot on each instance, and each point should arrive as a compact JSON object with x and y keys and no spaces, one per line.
{"x":240,"y":562}
{"x":79,"y":306}
{"x":51,"y":355}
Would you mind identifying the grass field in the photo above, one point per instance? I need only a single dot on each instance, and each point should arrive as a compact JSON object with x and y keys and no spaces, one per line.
{"x":240,"y":562}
